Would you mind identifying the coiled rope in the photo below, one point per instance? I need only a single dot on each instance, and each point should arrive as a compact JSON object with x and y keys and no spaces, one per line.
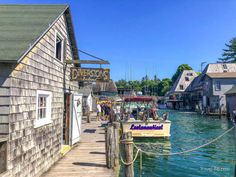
{"x":170,"y":154}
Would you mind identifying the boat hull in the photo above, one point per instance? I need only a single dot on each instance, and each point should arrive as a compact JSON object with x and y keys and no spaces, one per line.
{"x":148,"y":128}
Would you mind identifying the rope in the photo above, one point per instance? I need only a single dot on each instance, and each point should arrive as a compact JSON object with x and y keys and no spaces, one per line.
{"x":129,"y":163}
{"x":139,"y":150}
{"x":183,"y":152}
{"x":141,"y":163}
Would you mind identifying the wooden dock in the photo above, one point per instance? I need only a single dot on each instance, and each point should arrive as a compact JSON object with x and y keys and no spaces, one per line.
{"x":87,"y":159}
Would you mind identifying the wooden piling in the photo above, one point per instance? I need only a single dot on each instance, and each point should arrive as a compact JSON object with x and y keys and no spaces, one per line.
{"x":116,"y":151}
{"x":108,"y":146}
{"x":127,"y":142}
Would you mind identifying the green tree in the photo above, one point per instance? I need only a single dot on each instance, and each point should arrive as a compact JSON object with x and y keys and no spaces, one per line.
{"x":121,"y":84}
{"x":229,"y":54}
{"x":136,"y":85}
{"x":156,"y":78}
{"x":164,"y":86}
{"x":199,"y":73}
{"x":179,"y":70}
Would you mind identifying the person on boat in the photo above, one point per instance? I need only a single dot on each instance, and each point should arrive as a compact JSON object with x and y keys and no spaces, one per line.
{"x":129,"y":115}
{"x":145,"y":114}
{"x":154,"y":113}
{"x":134,"y":113}
{"x":165,"y":116}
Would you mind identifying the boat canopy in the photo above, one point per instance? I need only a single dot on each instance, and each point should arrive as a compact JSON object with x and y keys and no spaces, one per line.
{"x":138,"y":99}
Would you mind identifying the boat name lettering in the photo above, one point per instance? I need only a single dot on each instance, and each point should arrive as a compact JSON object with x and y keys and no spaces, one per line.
{"x":146,"y":127}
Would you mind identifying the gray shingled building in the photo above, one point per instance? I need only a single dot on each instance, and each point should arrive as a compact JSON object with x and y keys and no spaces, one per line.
{"x":35,"y":40}
{"x":207,"y":91}
{"x":177,"y":96}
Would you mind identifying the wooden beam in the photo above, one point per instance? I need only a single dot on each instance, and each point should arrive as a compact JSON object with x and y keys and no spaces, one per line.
{"x":87,"y":62}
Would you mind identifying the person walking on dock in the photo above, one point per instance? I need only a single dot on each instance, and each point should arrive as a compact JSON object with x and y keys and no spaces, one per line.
{"x":88,"y":113}
{"x":99,"y":111}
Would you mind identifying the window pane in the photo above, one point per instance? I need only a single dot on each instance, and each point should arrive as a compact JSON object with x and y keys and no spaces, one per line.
{"x":44,"y":112}
{"x":218,"y":86}
{"x":58,"y":48}
{"x":42,"y":101}
{"x":39,"y":113}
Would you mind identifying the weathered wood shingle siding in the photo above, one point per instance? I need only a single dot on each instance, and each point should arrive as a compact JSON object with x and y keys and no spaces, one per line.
{"x":33,"y":150}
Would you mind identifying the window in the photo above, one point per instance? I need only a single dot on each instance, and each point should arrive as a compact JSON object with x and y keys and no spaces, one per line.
{"x":181,"y":87}
{"x":218,"y":86}
{"x":186,"y":78}
{"x":43,"y":108}
{"x":59,"y":48}
{"x":225,"y":67}
{"x":189,"y":74}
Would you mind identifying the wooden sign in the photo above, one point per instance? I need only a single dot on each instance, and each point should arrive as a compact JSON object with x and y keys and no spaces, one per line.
{"x":90,"y":74}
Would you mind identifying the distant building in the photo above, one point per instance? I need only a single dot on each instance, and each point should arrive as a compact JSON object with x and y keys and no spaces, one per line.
{"x":123,"y":92}
{"x":231,"y":102}
{"x":207,"y":91}
{"x":88,"y":99}
{"x":177,"y":96}
{"x":104,"y":90}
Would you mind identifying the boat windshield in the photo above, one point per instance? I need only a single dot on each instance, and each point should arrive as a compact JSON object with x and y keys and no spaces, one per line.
{"x":139,"y":110}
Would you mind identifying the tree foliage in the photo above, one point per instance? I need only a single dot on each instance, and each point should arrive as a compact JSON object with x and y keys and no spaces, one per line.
{"x":179,"y":70}
{"x":147,"y":86}
{"x":164,"y":86}
{"x":229,"y":54}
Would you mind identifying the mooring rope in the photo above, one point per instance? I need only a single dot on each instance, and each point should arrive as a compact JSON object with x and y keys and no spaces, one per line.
{"x":186,"y":151}
{"x":139,"y":150}
{"x":129,"y":163}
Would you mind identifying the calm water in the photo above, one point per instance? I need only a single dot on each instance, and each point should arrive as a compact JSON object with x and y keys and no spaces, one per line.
{"x":188,"y":131}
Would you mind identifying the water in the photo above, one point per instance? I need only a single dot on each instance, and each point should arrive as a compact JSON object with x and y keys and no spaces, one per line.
{"x":189,"y":130}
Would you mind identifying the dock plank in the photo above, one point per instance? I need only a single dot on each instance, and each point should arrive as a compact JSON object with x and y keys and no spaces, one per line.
{"x":87,"y":159}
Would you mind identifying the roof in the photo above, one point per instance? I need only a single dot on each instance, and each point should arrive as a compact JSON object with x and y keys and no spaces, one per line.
{"x":23,"y":25}
{"x":231,"y":91}
{"x":214,"y":70}
{"x":222,"y":75}
{"x":104,"y":87}
{"x":220,"y":68}
{"x":181,"y":81}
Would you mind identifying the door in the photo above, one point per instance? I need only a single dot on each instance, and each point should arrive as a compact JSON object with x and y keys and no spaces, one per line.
{"x":67,"y":118}
{"x":76,"y":118}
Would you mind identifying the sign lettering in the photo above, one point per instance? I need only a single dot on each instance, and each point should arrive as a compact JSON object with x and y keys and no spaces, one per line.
{"x":146,"y":127}
{"x":90,"y":74}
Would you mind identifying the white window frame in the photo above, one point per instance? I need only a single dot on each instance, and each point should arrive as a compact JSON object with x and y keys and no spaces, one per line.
{"x":57,"y":34}
{"x":47,"y":119}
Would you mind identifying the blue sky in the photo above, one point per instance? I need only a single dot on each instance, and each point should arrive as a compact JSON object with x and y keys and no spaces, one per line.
{"x":154,"y":36}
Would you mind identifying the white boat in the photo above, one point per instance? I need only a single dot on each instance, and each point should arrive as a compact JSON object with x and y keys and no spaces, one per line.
{"x":140,"y":118}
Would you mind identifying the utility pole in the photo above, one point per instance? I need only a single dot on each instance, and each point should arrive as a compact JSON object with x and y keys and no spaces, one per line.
{"x":202,"y":64}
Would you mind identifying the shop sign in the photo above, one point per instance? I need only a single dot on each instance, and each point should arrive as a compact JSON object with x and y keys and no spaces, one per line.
{"x":90,"y":74}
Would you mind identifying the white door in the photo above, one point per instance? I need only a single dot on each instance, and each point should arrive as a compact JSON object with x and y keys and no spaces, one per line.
{"x":76,"y":118}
